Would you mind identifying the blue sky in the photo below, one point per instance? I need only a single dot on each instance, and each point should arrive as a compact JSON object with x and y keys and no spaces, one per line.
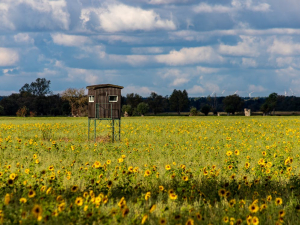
{"x":220,"y":46}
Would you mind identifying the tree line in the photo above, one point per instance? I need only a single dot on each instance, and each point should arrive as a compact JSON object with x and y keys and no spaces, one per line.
{"x":37,"y":99}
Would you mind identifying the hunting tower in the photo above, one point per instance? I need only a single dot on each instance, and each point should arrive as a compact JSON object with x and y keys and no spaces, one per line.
{"x":105,"y":104}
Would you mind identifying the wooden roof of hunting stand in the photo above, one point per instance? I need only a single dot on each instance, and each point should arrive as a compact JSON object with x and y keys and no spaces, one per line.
{"x":104,"y":101}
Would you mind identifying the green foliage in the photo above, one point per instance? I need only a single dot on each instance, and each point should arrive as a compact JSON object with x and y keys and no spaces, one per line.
{"x":133,"y":100}
{"x":40,"y":87}
{"x":193,"y":111}
{"x":128,"y":109}
{"x":156,"y":103}
{"x":66,"y":108}
{"x":179,"y":100}
{"x":142,"y":108}
{"x":1,"y":110}
{"x":233,"y":103}
{"x":270,"y":103}
{"x":205,"y":110}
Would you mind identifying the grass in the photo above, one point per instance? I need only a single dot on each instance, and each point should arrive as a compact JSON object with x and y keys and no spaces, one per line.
{"x":165,"y":170}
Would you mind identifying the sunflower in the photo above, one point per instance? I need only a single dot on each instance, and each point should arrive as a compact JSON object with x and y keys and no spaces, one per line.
{"x":225,"y":219}
{"x":278,"y":201}
{"x":269,"y":198}
{"x":108,"y":162}
{"x":185,"y":178}
{"x":97,"y":164}
{"x":152,"y":208}
{"x":263,"y":206}
{"x":10,"y":182}
{"x":7,"y":199}
{"x":239,"y":221}
{"x":12,"y":176}
{"x":253,"y":208}
{"x":247,"y":165}
{"x":122,"y":202}
{"x":162,"y":221}
{"x":31,"y":193}
{"x":145,"y":217}
{"x":255,"y":220}
{"x":281,"y":213}
{"x":229,"y":153}
{"x":198,"y":216}
{"x":109,"y":184}
{"x":167,"y":167}
{"x":264,"y":153}
{"x":125,"y":212}
{"x":161,"y":188}
{"x":23,"y":200}
{"x":148,"y":195}
{"x":173,"y":196}
{"x":79,"y":201}
{"x":61,"y":206}
{"x":147,"y":173}
{"x":232,"y":202}
{"x":189,"y":222}
{"x":249,"y":220}
{"x":37,"y":211}
{"x":236,"y":152}
{"x":222,"y":192}
{"x":74,"y":188}
{"x":113,"y":211}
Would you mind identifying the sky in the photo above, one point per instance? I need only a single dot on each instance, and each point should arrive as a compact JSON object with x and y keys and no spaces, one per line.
{"x":222,"y":47}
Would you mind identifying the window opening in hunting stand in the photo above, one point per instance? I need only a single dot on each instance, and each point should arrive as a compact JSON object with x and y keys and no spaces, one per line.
{"x":105,"y":105}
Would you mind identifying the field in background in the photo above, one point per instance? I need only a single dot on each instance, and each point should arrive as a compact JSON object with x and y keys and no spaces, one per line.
{"x":166,"y":170}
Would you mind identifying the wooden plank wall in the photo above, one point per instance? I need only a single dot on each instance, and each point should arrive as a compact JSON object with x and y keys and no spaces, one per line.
{"x":101,"y":96}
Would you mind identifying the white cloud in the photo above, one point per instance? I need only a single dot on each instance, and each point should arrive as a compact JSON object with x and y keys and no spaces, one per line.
{"x":42,"y":14}
{"x":289,"y":72}
{"x":284,"y":61}
{"x":23,"y":38}
{"x":247,"y":47}
{"x":189,"y":56}
{"x":204,"y":7}
{"x":248,"y":62}
{"x":158,"y":2}
{"x":8,"y":57}
{"x":120,"y":17}
{"x":69,"y":40}
{"x":196,"y":89}
{"x":176,"y":76}
{"x":207,"y":69}
{"x":284,"y":47}
{"x":147,"y":50}
{"x":256,"y":88}
{"x":236,"y":5}
{"x":144,"y":91}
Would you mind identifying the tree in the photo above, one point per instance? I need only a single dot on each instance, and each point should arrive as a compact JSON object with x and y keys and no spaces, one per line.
{"x":205,"y":110}
{"x":77,"y":100}
{"x":40,"y":87}
{"x":179,"y":100}
{"x":156,"y":103}
{"x":193,"y":111}
{"x":133,"y":99}
{"x":143,"y":108}
{"x":127,"y":108}
{"x":233,"y":103}
{"x":270,"y":103}
{"x":1,"y":110}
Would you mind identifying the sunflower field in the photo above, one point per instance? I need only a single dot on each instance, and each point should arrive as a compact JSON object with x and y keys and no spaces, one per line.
{"x":165,"y":170}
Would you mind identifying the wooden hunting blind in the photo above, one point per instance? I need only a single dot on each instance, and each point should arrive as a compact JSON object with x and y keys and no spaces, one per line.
{"x":104,"y":103}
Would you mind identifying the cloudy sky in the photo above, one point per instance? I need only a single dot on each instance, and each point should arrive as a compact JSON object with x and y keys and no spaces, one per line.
{"x":220,"y":46}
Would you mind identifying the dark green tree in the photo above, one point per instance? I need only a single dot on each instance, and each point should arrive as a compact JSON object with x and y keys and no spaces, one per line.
{"x":233,"y":103}
{"x":179,"y":100}
{"x":270,"y":103}
{"x":205,"y":110}
{"x":156,"y":103}
{"x":142,"y":108}
{"x":40,"y":87}
{"x":133,"y":99}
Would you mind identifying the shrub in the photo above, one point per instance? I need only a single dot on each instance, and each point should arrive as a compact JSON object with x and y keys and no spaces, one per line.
{"x":127,"y":108}
{"x":32,"y":114}
{"x":193,"y":111}
{"x":1,"y":110}
{"x":22,"y":112}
